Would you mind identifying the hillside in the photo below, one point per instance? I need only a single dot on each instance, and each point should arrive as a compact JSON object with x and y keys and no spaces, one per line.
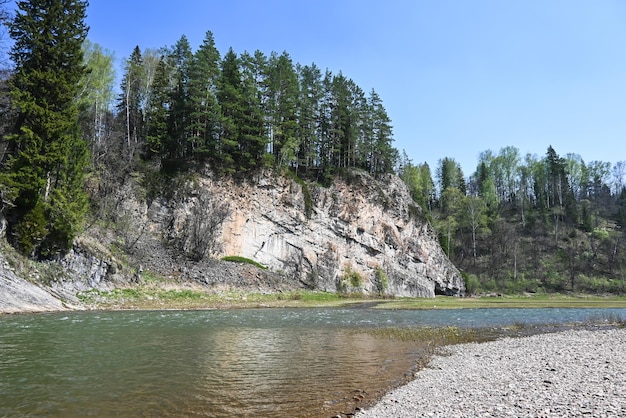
{"x":357,"y":235}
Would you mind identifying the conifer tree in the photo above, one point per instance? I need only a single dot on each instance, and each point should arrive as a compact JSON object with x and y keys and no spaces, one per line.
{"x":310,"y":80}
{"x":384,"y":155}
{"x":204,"y":116}
{"x":253,"y":137}
{"x":157,"y":110}
{"x":44,"y":175}
{"x":283,"y":93}
{"x":230,"y":99}
{"x":179,"y":112}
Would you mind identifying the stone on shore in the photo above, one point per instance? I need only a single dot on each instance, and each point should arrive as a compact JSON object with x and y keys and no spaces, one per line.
{"x":572,"y":373}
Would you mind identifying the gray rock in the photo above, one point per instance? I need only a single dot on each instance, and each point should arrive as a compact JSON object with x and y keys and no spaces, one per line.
{"x":571,"y":373}
{"x":361,"y":225}
{"x":20,"y":295}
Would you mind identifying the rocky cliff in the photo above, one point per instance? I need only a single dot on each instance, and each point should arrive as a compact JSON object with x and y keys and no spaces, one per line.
{"x":359,"y":234}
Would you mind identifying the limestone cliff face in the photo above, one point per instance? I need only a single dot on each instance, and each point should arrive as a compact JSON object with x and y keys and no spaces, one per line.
{"x":358,"y":234}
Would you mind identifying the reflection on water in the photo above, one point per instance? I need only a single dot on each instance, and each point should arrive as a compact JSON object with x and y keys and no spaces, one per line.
{"x":188,"y":364}
{"x":279,"y":362}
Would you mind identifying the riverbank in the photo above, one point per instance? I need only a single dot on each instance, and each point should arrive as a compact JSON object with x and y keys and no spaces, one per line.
{"x":571,"y":373}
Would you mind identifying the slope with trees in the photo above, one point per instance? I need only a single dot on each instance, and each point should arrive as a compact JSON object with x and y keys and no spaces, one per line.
{"x":176,"y":109}
{"x":529,"y":223}
{"x":70,"y":138}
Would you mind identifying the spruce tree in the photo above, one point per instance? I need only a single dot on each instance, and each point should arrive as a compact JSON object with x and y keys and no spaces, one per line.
{"x":44,"y":174}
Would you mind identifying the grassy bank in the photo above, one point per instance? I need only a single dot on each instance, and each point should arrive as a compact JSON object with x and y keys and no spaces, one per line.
{"x":176,"y":297}
{"x":189,"y":298}
{"x":516,"y":301}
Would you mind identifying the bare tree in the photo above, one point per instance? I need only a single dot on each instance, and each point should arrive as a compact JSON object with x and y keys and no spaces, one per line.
{"x":619,"y":171}
{"x":202,"y":228}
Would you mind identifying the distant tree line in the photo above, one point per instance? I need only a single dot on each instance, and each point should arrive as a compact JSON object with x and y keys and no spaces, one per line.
{"x":528,"y":223}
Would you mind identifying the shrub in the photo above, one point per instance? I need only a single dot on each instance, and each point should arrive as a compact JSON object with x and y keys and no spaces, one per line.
{"x":382,"y":281}
{"x":238,"y":259}
{"x":472,"y":284}
{"x":351,"y":279}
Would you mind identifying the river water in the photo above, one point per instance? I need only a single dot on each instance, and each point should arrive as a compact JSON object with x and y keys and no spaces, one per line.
{"x":222,"y":363}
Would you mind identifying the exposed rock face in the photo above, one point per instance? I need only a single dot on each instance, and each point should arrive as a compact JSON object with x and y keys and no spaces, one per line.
{"x":20,"y":295}
{"x":360,"y":234}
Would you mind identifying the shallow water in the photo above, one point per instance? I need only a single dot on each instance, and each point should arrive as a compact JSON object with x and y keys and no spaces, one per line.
{"x":257,"y":362}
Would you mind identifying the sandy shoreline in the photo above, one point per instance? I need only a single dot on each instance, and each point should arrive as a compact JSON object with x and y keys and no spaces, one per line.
{"x":571,"y":373}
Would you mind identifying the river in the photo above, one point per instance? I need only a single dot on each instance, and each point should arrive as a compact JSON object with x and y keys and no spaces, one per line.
{"x":222,"y":363}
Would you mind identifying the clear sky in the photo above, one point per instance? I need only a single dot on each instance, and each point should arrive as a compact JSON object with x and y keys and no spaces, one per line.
{"x":457,"y":77}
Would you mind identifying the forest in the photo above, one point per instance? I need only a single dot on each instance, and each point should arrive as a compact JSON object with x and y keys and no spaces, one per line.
{"x":528,"y":223}
{"x":70,"y":137}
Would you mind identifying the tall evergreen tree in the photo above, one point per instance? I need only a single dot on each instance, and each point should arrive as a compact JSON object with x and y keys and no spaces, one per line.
{"x":310,"y":81}
{"x":325,"y":147}
{"x":342,"y":132}
{"x":230,"y":98}
{"x":204,"y":109}
{"x":283,"y":103}
{"x":384,"y":155}
{"x":253,"y":135}
{"x":44,"y":176}
{"x":180,"y":109}
{"x":157,"y":111}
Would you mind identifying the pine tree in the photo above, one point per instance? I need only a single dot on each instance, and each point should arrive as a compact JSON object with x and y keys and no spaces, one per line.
{"x":310,"y":80}
{"x":342,"y":132}
{"x":384,"y":155}
{"x":253,"y":138}
{"x":283,"y":95}
{"x":204,"y":109}
{"x":230,"y":99}
{"x":179,"y":113}
{"x":157,"y":111}
{"x":44,"y":176}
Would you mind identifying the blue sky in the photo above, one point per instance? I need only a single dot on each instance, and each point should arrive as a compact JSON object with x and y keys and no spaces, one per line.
{"x":457,"y":77}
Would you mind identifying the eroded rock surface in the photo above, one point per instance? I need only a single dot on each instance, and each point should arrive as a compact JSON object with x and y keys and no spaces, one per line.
{"x":371,"y":228}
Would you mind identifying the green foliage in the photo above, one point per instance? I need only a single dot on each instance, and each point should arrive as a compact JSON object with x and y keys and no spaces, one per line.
{"x":472,"y":284}
{"x":382,"y":280}
{"x":238,"y":259}
{"x":528,"y":224}
{"x":157,"y":133}
{"x":350,"y":280}
{"x":31,"y":230}
{"x":45,"y":174}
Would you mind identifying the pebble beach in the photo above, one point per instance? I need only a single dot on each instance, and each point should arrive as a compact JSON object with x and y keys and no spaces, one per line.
{"x":566,"y":374}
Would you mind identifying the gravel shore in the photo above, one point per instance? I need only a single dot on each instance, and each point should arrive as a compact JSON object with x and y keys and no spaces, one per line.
{"x":566,"y":374}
